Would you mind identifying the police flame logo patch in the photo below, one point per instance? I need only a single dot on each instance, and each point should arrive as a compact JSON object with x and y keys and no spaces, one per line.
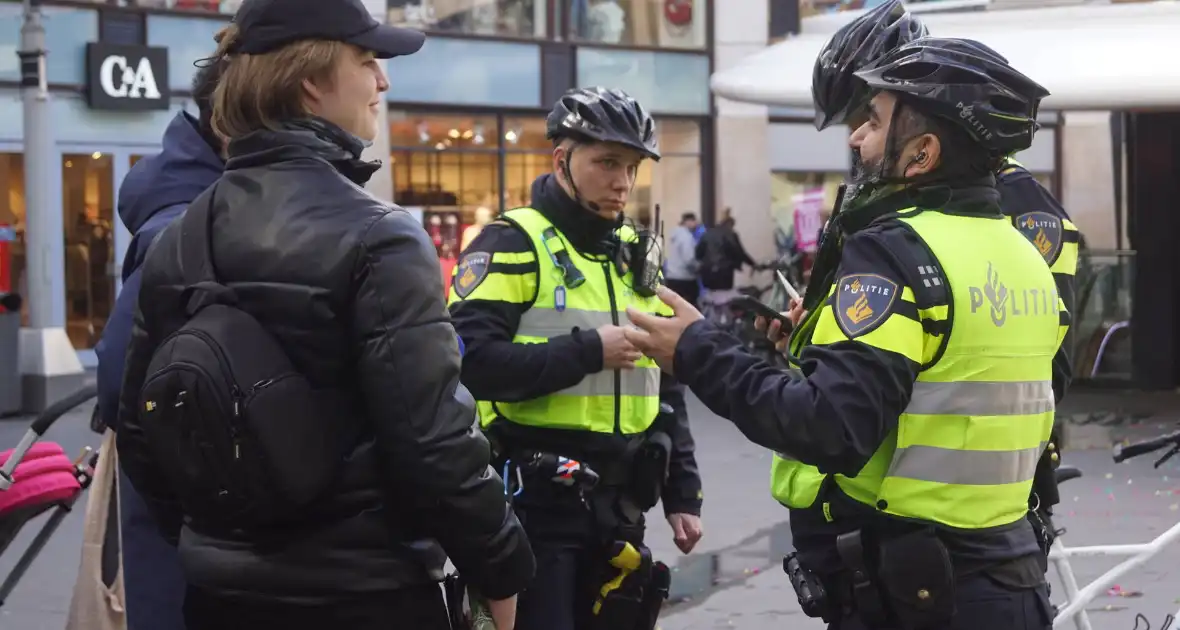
{"x":1044,"y":231}
{"x":863,"y":302}
{"x":471,"y":272}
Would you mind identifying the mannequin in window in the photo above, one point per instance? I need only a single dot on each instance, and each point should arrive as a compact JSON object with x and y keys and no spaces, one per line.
{"x":483,"y":216}
{"x":606,"y":21}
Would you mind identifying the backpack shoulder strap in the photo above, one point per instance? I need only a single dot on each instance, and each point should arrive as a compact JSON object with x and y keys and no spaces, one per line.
{"x":196,"y":257}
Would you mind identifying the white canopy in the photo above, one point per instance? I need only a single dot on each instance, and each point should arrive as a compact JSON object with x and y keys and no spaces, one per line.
{"x":1106,"y":57}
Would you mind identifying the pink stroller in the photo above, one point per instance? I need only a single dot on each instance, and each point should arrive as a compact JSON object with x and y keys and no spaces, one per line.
{"x":36,"y":477}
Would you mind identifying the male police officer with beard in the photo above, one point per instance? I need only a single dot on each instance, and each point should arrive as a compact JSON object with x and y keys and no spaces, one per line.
{"x":538,"y":300}
{"x":842,"y":97}
{"x":924,"y":389}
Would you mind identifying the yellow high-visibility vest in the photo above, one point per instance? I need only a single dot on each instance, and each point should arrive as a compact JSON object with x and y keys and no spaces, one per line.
{"x":966,"y":448}
{"x":610,"y":401}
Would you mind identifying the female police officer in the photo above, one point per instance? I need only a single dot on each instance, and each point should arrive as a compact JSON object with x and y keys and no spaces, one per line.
{"x":925,"y":386}
{"x":538,"y":298}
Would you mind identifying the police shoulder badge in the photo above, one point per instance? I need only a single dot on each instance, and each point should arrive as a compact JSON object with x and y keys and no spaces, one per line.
{"x":471,"y":272}
{"x":863,"y":302}
{"x":1044,"y":231}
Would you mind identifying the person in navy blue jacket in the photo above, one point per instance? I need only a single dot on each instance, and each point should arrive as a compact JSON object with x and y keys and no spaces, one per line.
{"x":154,"y":193}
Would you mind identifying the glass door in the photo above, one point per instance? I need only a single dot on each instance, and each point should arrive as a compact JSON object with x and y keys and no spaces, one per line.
{"x":12,"y":223}
{"x":94,"y":237}
{"x":88,"y":228}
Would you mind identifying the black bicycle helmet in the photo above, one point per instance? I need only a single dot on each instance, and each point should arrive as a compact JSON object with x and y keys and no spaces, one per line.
{"x":837,"y":93}
{"x":967,"y":83}
{"x":601,"y":115}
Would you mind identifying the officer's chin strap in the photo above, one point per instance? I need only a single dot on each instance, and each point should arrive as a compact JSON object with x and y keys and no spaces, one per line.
{"x":574,"y":193}
{"x":642,"y":256}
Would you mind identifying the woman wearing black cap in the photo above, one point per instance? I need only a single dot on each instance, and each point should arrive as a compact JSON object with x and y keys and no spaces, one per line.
{"x":348,"y":287}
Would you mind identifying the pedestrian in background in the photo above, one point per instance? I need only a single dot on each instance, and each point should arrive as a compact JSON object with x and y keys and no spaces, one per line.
{"x":680,"y":271}
{"x":721,"y":254}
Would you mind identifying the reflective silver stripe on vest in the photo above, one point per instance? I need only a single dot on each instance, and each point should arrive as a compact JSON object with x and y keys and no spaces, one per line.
{"x":640,"y":381}
{"x":549,"y":322}
{"x":981,"y":398}
{"x":965,"y":468}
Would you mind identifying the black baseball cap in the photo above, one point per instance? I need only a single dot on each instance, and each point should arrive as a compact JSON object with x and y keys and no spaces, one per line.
{"x":264,"y":25}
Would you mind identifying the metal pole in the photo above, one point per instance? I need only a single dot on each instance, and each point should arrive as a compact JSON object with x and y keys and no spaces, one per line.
{"x":49,"y":364}
{"x":44,"y":272}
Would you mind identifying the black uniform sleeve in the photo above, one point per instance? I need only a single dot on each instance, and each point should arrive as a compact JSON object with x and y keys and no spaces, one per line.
{"x":682,"y":491}
{"x":135,"y":457}
{"x":494,"y":284}
{"x":423,"y":419}
{"x":1021,"y":193}
{"x":854,"y":383}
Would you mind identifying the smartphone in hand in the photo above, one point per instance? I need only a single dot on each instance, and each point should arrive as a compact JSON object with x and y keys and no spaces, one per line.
{"x":748,"y":303}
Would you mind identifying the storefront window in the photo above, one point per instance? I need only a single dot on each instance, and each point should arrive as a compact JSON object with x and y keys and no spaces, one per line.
{"x":654,"y":23}
{"x":528,"y":155}
{"x":88,"y":203}
{"x":505,"y":18}
{"x":673,"y":183}
{"x":67,"y":30}
{"x":667,"y":83}
{"x":808,"y":8}
{"x":227,"y":7}
{"x":447,"y":169}
{"x":12,"y":214}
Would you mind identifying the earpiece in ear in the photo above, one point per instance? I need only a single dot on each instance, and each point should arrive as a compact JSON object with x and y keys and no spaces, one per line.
{"x":921,"y":157}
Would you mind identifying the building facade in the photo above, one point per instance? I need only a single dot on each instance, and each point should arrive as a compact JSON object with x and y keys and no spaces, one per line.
{"x":466,"y":114}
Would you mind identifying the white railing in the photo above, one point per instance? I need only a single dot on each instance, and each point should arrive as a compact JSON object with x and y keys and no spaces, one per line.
{"x":1077,"y":599}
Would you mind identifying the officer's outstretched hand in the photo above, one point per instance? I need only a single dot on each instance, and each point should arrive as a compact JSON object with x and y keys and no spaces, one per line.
{"x":657,"y":336}
{"x":617,"y":352}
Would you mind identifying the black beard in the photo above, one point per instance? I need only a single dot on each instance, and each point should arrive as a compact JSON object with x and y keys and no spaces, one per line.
{"x":865,"y":172}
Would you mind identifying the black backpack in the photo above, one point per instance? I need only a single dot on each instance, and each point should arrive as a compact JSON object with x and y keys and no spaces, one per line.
{"x":236,"y":428}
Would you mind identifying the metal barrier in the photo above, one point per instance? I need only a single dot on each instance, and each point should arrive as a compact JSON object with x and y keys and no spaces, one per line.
{"x":1101,"y":332}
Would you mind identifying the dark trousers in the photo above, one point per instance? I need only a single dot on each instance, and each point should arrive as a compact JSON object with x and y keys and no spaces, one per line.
{"x":561,"y":594}
{"x":420,"y":608}
{"x":152,"y":579}
{"x":690,"y":290}
{"x":982,"y":603}
{"x":571,"y":560}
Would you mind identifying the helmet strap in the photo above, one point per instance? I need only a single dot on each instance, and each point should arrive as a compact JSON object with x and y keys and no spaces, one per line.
{"x":568,"y":173}
{"x":569,"y":178}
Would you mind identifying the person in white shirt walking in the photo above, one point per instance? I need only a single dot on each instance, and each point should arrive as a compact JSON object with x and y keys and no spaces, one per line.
{"x":680,"y":272}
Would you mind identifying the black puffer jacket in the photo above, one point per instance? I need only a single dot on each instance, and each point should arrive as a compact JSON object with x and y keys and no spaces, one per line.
{"x":350,"y":287}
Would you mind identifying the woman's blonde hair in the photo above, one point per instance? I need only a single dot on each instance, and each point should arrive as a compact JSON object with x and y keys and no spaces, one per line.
{"x":258,"y":91}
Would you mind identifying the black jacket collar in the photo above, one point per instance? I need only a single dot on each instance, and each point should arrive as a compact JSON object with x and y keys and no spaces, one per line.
{"x":977,"y":197}
{"x":301,"y":139}
{"x":587,"y":232}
